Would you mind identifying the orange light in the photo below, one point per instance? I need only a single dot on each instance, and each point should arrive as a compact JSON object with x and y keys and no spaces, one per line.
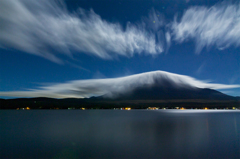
{"x":152,"y":108}
{"x":182,"y":108}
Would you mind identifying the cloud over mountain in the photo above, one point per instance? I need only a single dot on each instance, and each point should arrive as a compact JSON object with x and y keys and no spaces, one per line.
{"x":115,"y":86}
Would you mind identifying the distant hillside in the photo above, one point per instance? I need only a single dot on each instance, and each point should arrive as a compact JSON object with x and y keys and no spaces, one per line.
{"x":166,"y":90}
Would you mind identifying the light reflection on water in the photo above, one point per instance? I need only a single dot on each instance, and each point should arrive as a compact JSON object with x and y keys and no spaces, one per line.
{"x":120,"y":134}
{"x":192,"y":111}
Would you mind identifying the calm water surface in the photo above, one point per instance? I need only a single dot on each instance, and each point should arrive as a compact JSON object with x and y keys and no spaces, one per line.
{"x":119,"y":134}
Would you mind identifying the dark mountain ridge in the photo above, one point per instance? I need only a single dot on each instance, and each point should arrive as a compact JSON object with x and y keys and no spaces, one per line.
{"x":141,"y":97}
{"x":168,"y":92}
{"x":163,"y":86}
{"x":159,"y":89}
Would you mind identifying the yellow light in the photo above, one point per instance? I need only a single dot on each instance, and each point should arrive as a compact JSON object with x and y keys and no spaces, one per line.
{"x":28,"y":108}
{"x":83,"y":108}
{"x":152,"y":108}
{"x":182,"y":108}
{"x":206,"y":108}
{"x":127,"y":108}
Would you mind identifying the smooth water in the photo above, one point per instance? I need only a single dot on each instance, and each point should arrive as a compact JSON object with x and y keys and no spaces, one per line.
{"x":119,"y":134}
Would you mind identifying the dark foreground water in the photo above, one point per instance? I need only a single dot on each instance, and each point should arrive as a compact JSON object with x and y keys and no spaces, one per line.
{"x":119,"y":134}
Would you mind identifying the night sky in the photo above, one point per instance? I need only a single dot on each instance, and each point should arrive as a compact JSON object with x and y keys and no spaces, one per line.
{"x":55,"y":47}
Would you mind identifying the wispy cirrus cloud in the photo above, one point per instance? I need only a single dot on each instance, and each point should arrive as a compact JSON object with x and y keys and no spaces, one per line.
{"x":114,"y":86}
{"x":46,"y":28}
{"x":201,"y":68}
{"x":217,"y":26}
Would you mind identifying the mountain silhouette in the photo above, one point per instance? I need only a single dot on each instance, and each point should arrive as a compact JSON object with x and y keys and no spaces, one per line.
{"x":163,"y":88}
{"x":159,"y":89}
{"x":160,"y":93}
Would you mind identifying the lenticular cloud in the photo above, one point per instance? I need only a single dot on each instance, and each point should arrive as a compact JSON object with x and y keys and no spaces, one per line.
{"x":114,"y":86}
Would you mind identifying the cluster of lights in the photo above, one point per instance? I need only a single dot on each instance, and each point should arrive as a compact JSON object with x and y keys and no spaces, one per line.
{"x":152,"y":108}
{"x":27,"y":108}
{"x":149,"y":108}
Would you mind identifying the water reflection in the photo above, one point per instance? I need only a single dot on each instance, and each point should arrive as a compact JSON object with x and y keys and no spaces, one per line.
{"x":119,"y":134}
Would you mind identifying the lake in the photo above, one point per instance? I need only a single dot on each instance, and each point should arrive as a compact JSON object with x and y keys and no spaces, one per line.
{"x":120,"y":134}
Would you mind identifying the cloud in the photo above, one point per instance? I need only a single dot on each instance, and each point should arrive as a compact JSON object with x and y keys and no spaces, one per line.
{"x":156,"y":23}
{"x":235,"y":78}
{"x":113,"y":86}
{"x":155,"y":20}
{"x":47,"y":29}
{"x":201,"y":68}
{"x":217,"y":26}
{"x":168,"y":40}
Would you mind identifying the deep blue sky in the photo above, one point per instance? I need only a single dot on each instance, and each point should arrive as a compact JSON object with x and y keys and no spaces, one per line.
{"x":20,"y":69}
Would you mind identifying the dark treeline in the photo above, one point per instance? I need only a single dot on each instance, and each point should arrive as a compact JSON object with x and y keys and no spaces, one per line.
{"x":50,"y":103}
